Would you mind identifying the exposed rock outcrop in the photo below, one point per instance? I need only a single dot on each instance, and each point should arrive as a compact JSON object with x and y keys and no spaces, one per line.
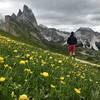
{"x":23,"y":24}
{"x":52,"y":36}
{"x":88,"y":38}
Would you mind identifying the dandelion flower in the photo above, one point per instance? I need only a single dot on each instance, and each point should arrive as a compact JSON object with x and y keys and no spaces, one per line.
{"x":50,"y":57}
{"x":60,"y":61}
{"x":31,"y":58}
{"x":62,"y":78}
{"x":1,"y":60}
{"x":77,"y":90}
{"x":27,"y":55}
{"x":23,"y":97}
{"x":22,"y":62}
{"x":2,"y":79}
{"x":26,"y":61}
{"x":15,"y":51}
{"x":45,"y":74}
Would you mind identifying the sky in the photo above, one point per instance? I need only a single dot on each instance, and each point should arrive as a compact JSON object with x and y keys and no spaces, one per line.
{"x":66,"y":15}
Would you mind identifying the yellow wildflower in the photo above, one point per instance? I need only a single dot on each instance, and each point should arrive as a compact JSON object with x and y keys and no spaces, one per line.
{"x":40,"y":56}
{"x":2,"y":79}
{"x":60,"y":61}
{"x":23,"y":97}
{"x":50,"y":57}
{"x":27,"y":55}
{"x":77,"y":90}
{"x":15,"y":51}
{"x":53,"y":86}
{"x":1,"y":60}
{"x":45,"y":74}
{"x":62,"y":78}
{"x":23,"y":62}
{"x":31,"y":58}
{"x":26,"y":61}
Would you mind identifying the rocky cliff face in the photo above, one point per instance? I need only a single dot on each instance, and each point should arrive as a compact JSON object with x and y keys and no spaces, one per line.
{"x":88,"y":38}
{"x":52,"y":36}
{"x":23,"y":24}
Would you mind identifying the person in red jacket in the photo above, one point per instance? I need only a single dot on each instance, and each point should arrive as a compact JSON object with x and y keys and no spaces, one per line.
{"x":72,"y":41}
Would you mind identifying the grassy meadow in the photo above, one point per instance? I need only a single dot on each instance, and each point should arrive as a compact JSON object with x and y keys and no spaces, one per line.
{"x":31,"y":73}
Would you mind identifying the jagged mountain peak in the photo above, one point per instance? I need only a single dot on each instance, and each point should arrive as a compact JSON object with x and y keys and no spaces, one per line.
{"x":13,"y":16}
{"x":85,"y":29}
{"x":23,"y":24}
{"x":25,"y":7}
{"x":19,"y":13}
{"x":27,"y":11}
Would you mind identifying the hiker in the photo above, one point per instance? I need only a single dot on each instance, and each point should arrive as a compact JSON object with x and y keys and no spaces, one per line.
{"x":72,"y":41}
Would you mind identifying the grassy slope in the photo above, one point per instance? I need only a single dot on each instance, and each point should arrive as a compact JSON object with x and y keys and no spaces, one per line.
{"x":92,"y":57}
{"x":27,"y":79}
{"x":35,"y":43}
{"x":22,"y":39}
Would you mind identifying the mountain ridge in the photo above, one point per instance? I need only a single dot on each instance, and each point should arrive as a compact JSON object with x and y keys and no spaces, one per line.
{"x":24,"y":24}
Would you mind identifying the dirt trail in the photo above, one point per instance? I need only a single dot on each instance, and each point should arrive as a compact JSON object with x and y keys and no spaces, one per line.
{"x":86,"y":62}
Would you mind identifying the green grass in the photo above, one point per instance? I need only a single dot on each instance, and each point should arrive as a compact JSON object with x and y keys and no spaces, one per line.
{"x":26,"y":77}
{"x":33,"y":42}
